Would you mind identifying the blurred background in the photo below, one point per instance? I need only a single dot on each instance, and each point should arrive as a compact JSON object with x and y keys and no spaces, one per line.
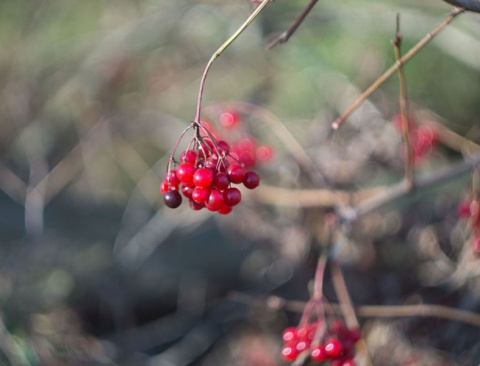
{"x":94,"y":95}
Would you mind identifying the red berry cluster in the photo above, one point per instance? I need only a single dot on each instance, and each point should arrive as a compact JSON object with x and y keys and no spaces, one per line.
{"x":337,"y":347}
{"x":470,"y":210}
{"x":205,"y":175}
{"x":423,"y":138}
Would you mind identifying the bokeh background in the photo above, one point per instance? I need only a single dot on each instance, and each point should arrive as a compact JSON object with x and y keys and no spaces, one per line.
{"x":94,"y":94}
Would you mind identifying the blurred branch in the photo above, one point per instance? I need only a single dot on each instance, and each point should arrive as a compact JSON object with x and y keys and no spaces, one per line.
{"x":404,"y":107}
{"x":222,"y":48}
{"x":347,"y":307}
{"x":367,"y":311}
{"x":285,"y":36}
{"x":423,"y":42}
{"x":470,"y":5}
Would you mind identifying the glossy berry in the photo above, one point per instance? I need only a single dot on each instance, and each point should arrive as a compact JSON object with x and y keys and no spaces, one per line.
{"x":232,"y":196}
{"x":200,"y":194}
{"x":318,"y":354}
{"x":187,"y":191}
{"x":164,"y":187}
{"x":215,"y":200}
{"x":236,"y":173}
{"x":203,"y":177}
{"x":333,"y":348}
{"x":289,"y":353}
{"x":349,"y":362}
{"x":172,"y":199}
{"x":172,"y":179}
{"x":302,"y":346}
{"x":221,"y":181}
{"x":224,"y":146}
{"x":185,"y":173}
{"x":251,"y":180}
{"x":289,"y":334}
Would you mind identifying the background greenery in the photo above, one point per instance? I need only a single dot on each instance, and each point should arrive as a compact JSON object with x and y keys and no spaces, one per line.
{"x":94,"y":95}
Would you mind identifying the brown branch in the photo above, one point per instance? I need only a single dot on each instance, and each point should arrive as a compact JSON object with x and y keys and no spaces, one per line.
{"x":423,"y":42}
{"x":404,"y":107}
{"x":470,"y":5}
{"x":285,"y":36}
{"x":368,"y":311}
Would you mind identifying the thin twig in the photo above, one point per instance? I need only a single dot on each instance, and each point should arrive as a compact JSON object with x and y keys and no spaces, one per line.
{"x":404,"y":108}
{"x":347,"y":307}
{"x":425,"y":40}
{"x":222,"y":48}
{"x":368,"y":311}
{"x":285,"y":36}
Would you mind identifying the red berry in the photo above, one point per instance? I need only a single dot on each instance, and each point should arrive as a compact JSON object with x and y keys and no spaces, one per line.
{"x":464,"y":209}
{"x":236,"y":173}
{"x":302,"y":346}
{"x":164,"y":187}
{"x":289,"y":353}
{"x":251,"y":180}
{"x":172,"y":179}
{"x":333,"y":348}
{"x":172,"y":199}
{"x":223,"y":146}
{"x":203,"y":177}
{"x":221,"y":181}
{"x":339,"y":328}
{"x":225,"y":210}
{"x":232,"y":196}
{"x":200,"y":194}
{"x":247,"y":158}
{"x":289,"y":334}
{"x":349,"y":362}
{"x":229,"y":119}
{"x":187,"y":191}
{"x":215,"y":200}
{"x":185,"y":173}
{"x":195,"y":205}
{"x":264,"y":153}
{"x":211,"y":163}
{"x":354,"y":335}
{"x":188,"y":156}
{"x":318,"y":354}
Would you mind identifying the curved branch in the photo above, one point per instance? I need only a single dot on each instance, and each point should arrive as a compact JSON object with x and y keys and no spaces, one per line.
{"x":470,"y":5}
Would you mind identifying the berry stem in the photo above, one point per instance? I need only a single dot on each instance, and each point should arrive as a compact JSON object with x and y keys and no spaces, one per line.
{"x":222,"y":48}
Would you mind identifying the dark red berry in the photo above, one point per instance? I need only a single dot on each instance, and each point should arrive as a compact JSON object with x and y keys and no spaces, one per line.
{"x":195,"y":205}
{"x":354,"y":335}
{"x":333,"y":348}
{"x":203,"y":177}
{"x":339,"y":328}
{"x":223,"y":146}
{"x":185,"y":173}
{"x":289,"y":353}
{"x":236,"y":173}
{"x":187,"y":191}
{"x":251,"y":180}
{"x":318,"y":354}
{"x":221,"y":181}
{"x":172,"y":199}
{"x":232,"y":196}
{"x":349,"y":362}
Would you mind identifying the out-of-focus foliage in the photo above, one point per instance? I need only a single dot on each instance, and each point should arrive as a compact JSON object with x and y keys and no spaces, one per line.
{"x":94,"y":94}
